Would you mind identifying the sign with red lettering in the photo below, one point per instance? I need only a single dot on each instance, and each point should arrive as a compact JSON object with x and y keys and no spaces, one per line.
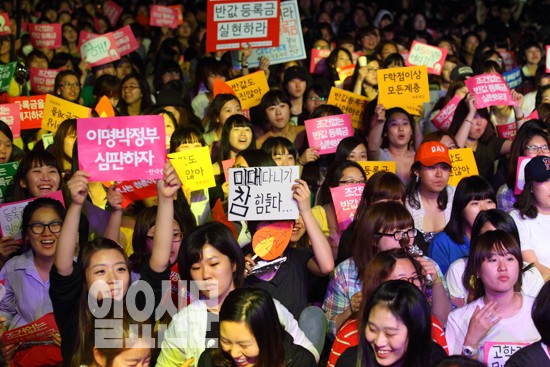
{"x":346,"y":200}
{"x":5,"y":27}
{"x":9,"y":113}
{"x":443,"y":119}
{"x":431,"y":56}
{"x":235,"y":24}
{"x":489,"y":90}
{"x":326,"y":133}
{"x":43,"y":80}
{"x":31,"y":110}
{"x":130,"y":147}
{"x":112,"y":11}
{"x":39,"y":330}
{"x":100,"y":50}
{"x":45,"y":35}
{"x":163,"y":16}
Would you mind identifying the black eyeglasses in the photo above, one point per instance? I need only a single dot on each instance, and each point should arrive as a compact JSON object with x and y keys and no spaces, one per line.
{"x":417,"y":279}
{"x":398,"y":235}
{"x":38,"y":228}
{"x":177,"y":237}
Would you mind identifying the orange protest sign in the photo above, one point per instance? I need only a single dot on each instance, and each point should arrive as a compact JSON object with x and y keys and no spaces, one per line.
{"x":349,"y":102}
{"x":406,"y":87}
{"x":250,"y":89}
{"x":222,"y":87}
{"x":270,"y":241}
{"x":104,"y":108}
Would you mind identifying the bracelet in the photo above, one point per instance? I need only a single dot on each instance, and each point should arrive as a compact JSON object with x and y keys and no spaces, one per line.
{"x":470,"y":121}
{"x":519,"y":118}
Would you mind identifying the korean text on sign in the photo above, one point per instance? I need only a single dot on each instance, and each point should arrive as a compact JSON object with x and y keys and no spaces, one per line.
{"x":42,"y":80}
{"x":136,"y":190}
{"x":130,"y":147}
{"x":350,"y":103}
{"x":57,"y":110}
{"x":250,"y":89}
{"x":489,"y":90}
{"x":497,"y":353}
{"x":327,"y":132}
{"x":463,"y":165}
{"x":443,"y":119}
{"x":232,"y":24}
{"x":291,"y":41}
{"x":431,"y":56}
{"x":6,"y":74}
{"x":163,"y":16}
{"x":346,"y":200}
{"x":513,"y":78}
{"x":406,"y":87}
{"x":9,"y":113}
{"x":31,"y":110}
{"x":100,"y":50}
{"x":7,"y":172}
{"x":371,"y":167}
{"x":262,"y":193}
{"x":194,"y":168}
{"x":45,"y":35}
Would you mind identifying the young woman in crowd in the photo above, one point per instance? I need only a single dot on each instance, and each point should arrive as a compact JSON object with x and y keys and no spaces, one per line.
{"x":352,"y":148}
{"x":500,"y":312}
{"x":281,"y":149}
{"x":67,"y":86}
{"x":472,"y":196}
{"x":63,"y":144}
{"x":213,"y":264}
{"x":396,"y":328}
{"x":236,"y":136}
{"x":219,"y":110}
{"x":39,"y":174}
{"x":135,"y":95}
{"x":251,"y":335}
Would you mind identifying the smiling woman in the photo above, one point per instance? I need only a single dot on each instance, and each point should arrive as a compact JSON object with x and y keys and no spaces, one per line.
{"x":38,"y":175}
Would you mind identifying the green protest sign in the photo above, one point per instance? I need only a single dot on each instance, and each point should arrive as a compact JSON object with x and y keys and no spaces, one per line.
{"x":7,"y":171}
{"x":6,"y":74}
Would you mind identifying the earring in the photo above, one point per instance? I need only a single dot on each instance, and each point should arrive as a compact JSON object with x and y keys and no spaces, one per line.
{"x":417,"y":179}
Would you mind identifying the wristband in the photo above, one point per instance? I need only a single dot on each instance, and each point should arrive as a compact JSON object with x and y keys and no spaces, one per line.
{"x":470,"y":121}
{"x":469,"y":352}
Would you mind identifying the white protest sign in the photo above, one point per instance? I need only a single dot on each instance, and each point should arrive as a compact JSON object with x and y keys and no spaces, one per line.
{"x":262,"y":193}
{"x":497,"y":353}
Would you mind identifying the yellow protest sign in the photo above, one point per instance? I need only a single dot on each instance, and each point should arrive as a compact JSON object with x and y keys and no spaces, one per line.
{"x":194,"y":168}
{"x":371,"y":167}
{"x":349,"y":102}
{"x":250,"y":89}
{"x":464,"y":165}
{"x":57,"y":110}
{"x":406,"y":87}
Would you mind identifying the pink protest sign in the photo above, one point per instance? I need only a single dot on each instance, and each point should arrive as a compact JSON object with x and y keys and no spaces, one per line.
{"x":548,"y":59}
{"x":39,"y":330}
{"x":112,"y":11}
{"x":533,"y":115}
{"x":431,"y":56}
{"x":85,"y":36}
{"x":42,"y":80}
{"x":326,"y":133}
{"x":136,"y":190}
{"x":508,"y":60}
{"x":179,"y":9}
{"x":490,"y":90}
{"x":5,"y":27}
{"x":346,"y":200}
{"x":520,"y":174}
{"x":128,"y":148}
{"x":100,"y":50}
{"x":227,"y":164}
{"x":9,"y":113}
{"x":125,"y":40}
{"x":495,"y":354}
{"x":45,"y":35}
{"x":443,"y":119}
{"x":319,"y":63}
{"x":31,"y":111}
{"x":507,"y":131}
{"x":163,"y":16}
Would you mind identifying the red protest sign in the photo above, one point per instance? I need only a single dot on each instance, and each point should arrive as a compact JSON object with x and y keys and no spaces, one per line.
{"x":507,"y":131}
{"x":39,"y":330}
{"x":5,"y":27}
{"x":326,"y":133}
{"x":31,"y":110}
{"x":136,"y":190}
{"x":431,"y":56}
{"x":270,"y":241}
{"x":319,"y":63}
{"x":508,"y":60}
{"x":489,"y":90}
{"x":43,"y":80}
{"x":443,"y":119}
{"x":179,"y":9}
{"x":346,"y":200}
{"x":100,"y":50}
{"x":112,"y":11}
{"x":163,"y":16}
{"x":9,"y":113}
{"x":125,"y":40}
{"x":45,"y":35}
{"x":235,"y":24}
{"x":130,"y":147}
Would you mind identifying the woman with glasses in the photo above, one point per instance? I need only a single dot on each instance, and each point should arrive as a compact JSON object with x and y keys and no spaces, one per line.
{"x":395,"y":264}
{"x":316,"y":95}
{"x":67,"y":86}
{"x":428,"y":192}
{"x":365,"y":78}
{"x":27,"y":276}
{"x":384,"y":226}
{"x":340,"y":173}
{"x":135,"y":95}
{"x":472,"y":196}
{"x":532,"y":140}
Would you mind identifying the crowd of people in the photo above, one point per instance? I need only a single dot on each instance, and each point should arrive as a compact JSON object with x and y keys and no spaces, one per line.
{"x":426,"y":274}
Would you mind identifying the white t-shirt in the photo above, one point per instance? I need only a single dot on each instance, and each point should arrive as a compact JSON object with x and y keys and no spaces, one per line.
{"x":532,"y":280}
{"x":533,"y":233}
{"x":518,"y":328}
